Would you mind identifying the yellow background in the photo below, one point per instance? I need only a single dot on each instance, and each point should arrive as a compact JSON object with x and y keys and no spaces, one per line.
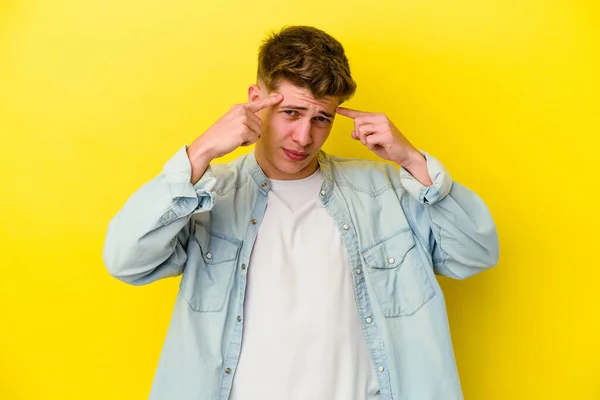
{"x":96,"y":95}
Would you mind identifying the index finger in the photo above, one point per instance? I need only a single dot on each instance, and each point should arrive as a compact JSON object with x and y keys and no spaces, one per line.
{"x":257,"y":105}
{"x":350,"y":113}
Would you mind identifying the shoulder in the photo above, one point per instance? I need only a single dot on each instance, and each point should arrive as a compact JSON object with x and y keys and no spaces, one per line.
{"x":372,"y":177}
{"x":230,"y":175}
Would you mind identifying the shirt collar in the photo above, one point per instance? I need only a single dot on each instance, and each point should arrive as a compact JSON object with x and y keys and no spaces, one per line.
{"x":264,"y":184}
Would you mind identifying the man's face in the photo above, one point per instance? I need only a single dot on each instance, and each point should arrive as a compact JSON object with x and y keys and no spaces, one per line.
{"x":293,"y":131}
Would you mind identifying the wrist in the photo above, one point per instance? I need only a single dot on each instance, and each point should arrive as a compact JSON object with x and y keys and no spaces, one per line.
{"x":199,"y":154}
{"x":414,"y":160}
{"x":200,"y":158}
{"x":416,"y":165}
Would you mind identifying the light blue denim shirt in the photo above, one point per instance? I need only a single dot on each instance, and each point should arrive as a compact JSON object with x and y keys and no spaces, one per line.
{"x":397,"y":233}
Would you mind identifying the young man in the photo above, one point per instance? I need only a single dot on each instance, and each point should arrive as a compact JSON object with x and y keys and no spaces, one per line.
{"x":305,"y":276}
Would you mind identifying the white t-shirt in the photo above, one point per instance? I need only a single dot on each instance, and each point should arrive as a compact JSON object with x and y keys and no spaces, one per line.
{"x":303,"y":338}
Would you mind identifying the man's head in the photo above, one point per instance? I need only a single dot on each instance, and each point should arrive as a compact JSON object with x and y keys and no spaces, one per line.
{"x":309,"y":68}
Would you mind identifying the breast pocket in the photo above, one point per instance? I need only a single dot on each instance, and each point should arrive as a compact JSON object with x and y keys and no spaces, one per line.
{"x":398,"y":275}
{"x":206,"y":280}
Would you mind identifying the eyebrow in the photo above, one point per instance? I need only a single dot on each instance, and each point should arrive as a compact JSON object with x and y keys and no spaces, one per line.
{"x":290,"y":107}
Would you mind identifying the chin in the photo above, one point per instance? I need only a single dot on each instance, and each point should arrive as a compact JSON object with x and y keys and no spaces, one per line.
{"x":293,"y":167}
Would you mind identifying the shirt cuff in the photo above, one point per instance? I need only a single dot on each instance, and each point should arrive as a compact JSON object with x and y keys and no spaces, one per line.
{"x":178,"y":173}
{"x":442,"y":182}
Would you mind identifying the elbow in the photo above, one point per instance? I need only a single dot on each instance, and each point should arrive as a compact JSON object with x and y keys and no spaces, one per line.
{"x":493,"y":255}
{"x":484,"y":248}
{"x":487,"y":256}
{"x":492,"y":250}
{"x":464,"y":264}
{"x":118,"y":267}
{"x":114,"y":258}
{"x":490,"y":255}
{"x":121,"y":259}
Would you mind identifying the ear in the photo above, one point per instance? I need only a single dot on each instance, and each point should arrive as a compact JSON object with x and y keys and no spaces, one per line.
{"x":254,"y":93}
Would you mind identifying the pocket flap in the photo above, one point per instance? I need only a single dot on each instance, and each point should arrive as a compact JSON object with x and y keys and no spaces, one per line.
{"x":216,"y":248}
{"x":391,"y":251}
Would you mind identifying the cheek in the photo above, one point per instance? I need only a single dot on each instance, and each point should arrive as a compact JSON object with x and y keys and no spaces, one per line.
{"x":277,"y":128}
{"x":320,"y":135}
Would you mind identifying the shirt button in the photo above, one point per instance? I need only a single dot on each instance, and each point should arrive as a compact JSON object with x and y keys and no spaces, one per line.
{"x":346,"y":227}
{"x":264,"y":184}
{"x":358,"y":271}
{"x":253,"y":221}
{"x":239,"y":318}
{"x":208,"y":255}
{"x":380,"y":369}
{"x":391,"y":260}
{"x":369,"y":320}
{"x":323,"y":193}
{"x":228,"y":370}
{"x":243,"y":266}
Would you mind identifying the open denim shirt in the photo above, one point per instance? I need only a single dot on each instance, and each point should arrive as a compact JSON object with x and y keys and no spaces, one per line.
{"x":397,"y":233}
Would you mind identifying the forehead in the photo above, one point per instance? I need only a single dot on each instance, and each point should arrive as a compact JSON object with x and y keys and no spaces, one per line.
{"x":294,"y":95}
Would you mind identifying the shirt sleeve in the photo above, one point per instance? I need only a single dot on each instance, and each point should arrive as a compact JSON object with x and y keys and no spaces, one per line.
{"x":178,"y":173}
{"x":442,"y":182}
{"x":147,"y":239}
{"x":451,"y":221}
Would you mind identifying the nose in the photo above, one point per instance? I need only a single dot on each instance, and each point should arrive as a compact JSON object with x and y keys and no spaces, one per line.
{"x":302,"y":134}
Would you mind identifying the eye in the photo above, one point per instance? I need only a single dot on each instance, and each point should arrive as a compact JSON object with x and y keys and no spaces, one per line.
{"x":322,"y":120}
{"x":291,"y":113}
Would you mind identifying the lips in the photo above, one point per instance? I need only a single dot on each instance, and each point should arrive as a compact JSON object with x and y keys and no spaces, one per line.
{"x":295,"y":155}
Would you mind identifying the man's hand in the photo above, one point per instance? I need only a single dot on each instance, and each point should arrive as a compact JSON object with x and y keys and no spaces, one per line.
{"x":240,"y":126}
{"x":382,"y":137}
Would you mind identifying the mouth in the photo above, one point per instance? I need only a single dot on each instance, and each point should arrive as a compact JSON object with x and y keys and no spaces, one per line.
{"x":295,"y":155}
